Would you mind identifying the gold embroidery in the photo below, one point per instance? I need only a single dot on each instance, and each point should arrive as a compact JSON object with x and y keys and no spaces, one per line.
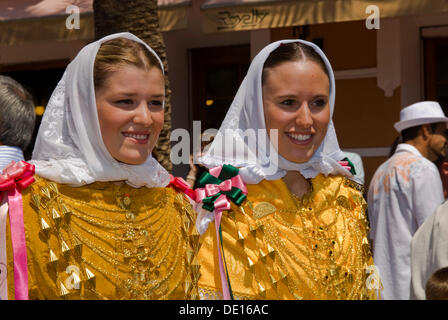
{"x":312,"y":248}
{"x":354,"y":185}
{"x":263,"y":209}
{"x":344,"y":202}
{"x":145,"y":248}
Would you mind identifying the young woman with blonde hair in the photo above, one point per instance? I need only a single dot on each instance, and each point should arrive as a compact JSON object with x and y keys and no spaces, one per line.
{"x":99,"y":222}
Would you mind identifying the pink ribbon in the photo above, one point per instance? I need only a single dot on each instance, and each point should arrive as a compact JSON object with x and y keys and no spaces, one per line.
{"x":212,"y":189}
{"x":226,"y":185}
{"x":3,"y":257}
{"x":17,"y":176}
{"x":221,"y":204}
{"x":345,"y":165}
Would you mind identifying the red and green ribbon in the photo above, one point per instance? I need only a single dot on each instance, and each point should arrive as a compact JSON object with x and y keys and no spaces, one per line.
{"x":346,"y":163}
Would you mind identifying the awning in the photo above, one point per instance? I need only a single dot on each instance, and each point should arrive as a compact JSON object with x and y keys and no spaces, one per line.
{"x":25,"y":21}
{"x":173,"y":14}
{"x":236,"y":15}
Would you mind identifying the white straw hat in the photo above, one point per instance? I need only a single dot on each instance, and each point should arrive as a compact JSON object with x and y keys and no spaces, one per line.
{"x":420,"y":113}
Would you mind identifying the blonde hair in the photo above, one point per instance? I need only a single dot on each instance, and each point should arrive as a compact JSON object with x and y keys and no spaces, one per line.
{"x":118,"y":52}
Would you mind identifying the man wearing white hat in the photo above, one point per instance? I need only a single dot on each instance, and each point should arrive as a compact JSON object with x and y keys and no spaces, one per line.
{"x":404,"y":191}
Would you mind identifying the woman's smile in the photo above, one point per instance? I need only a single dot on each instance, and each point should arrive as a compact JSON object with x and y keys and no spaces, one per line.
{"x":137,"y":137}
{"x":299,"y":139}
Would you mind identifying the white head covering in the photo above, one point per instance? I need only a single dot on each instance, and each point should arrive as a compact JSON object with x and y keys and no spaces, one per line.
{"x":261,"y":161}
{"x":69,"y":148}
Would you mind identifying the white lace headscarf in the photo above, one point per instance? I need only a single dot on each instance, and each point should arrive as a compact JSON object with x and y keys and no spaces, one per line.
{"x":261,"y":161}
{"x":69,"y":148}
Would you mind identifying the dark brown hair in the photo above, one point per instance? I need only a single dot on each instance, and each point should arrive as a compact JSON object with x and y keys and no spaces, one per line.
{"x":293,"y":51}
{"x":413,"y":132}
{"x":437,"y":285}
{"x":118,"y":52}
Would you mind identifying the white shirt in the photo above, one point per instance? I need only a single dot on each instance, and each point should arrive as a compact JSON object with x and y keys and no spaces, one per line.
{"x":7,"y":154}
{"x":429,"y":250}
{"x":404,"y":191}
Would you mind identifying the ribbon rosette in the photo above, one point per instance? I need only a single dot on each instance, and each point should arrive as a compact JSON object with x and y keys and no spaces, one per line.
{"x":216,"y":188}
{"x":347,"y":164}
{"x":15,"y":177}
{"x":182,"y":185}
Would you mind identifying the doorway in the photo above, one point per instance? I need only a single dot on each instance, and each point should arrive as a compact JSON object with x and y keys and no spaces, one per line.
{"x":216,"y":75}
{"x":436,"y":71}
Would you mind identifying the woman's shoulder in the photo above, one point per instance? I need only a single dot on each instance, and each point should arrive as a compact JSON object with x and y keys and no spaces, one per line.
{"x":36,"y":197}
{"x":339,"y":190}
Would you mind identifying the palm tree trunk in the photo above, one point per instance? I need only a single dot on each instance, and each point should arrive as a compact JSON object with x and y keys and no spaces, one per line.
{"x":140,"y":18}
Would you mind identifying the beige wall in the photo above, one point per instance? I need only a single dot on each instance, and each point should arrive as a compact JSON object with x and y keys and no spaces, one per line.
{"x":348,"y":45}
{"x":364,"y":117}
{"x":35,"y":52}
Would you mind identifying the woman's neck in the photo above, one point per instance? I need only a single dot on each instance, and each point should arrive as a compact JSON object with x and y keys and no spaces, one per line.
{"x":296,"y":183}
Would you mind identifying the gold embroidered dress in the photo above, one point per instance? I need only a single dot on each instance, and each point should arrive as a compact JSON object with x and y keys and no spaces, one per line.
{"x":277,"y":246}
{"x":105,"y":241}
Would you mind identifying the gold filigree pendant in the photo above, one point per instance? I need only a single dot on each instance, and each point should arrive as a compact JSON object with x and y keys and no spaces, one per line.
{"x":263,"y":209}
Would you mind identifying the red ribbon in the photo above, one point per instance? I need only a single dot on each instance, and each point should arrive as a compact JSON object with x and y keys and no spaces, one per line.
{"x":181,"y":185}
{"x":17,"y":176}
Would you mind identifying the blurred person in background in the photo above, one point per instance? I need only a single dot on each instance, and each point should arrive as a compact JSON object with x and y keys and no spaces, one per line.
{"x":17,"y":119}
{"x":404,"y":192}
